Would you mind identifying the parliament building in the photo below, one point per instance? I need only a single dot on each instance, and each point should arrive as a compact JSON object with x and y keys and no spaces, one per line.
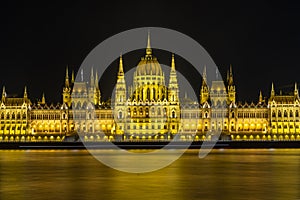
{"x":149,"y":109}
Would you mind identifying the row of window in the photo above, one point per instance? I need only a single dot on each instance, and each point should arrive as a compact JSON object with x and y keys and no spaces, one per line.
{"x":285,"y":114}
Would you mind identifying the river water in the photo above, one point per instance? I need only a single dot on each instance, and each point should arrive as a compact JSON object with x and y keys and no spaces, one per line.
{"x":223,"y":174}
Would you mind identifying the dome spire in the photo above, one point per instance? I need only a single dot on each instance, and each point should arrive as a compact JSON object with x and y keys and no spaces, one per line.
{"x":148,"y":50}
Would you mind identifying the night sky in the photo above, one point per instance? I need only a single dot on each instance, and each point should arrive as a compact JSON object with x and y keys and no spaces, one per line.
{"x":261,"y":40}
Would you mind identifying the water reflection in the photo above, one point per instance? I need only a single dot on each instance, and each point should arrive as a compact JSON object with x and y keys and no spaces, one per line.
{"x":223,"y":174}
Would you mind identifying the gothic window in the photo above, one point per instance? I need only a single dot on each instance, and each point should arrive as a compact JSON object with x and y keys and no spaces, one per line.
{"x":291,"y":113}
{"x":153,"y":93}
{"x":297,"y":113}
{"x":2,"y":115}
{"x":18,"y":116}
{"x":158,"y":111}
{"x":285,"y":113}
{"x":273,"y":114}
{"x":165,"y":111}
{"x":152,"y":111}
{"x":7,"y":116}
{"x":279,"y":113}
{"x":141,"y":111}
{"x":148,"y":94}
{"x":206,"y":115}
{"x":232,"y":114}
{"x":147,"y":112}
{"x":173,"y":114}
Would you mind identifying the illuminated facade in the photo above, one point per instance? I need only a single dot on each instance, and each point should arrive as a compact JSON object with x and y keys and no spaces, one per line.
{"x":149,"y":109}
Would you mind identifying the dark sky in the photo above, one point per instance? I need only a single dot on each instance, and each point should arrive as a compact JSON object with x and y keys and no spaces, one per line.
{"x":260,"y":39}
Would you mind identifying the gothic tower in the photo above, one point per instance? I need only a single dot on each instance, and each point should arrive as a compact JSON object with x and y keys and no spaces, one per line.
{"x":231,"y":87}
{"x":67,"y":90}
{"x":173,"y":99}
{"x":120,"y":99}
{"x":204,"y":91}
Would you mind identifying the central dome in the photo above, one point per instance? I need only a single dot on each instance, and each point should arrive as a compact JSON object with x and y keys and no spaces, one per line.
{"x":149,"y":64}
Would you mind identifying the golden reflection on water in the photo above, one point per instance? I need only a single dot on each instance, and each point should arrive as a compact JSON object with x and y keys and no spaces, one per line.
{"x":223,"y":174}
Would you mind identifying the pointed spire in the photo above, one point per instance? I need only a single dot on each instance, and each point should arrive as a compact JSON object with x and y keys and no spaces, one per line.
{"x":296,"y":90}
{"x":204,"y":78}
{"x":260,"y":99}
{"x":217,"y":74}
{"x":230,"y":78}
{"x":81,"y":73}
{"x":67,"y":84}
{"x":73,"y":77}
{"x":43,"y":99}
{"x":3,"y":93}
{"x":92,"y":77}
{"x":272,"y":90}
{"x":148,"y":50}
{"x":25,"y":93}
{"x":173,"y":63}
{"x":97,"y":80}
{"x":121,"y":70}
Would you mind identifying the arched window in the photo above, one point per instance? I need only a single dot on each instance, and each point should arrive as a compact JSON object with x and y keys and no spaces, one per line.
{"x":148,"y":94}
{"x":147,"y":112}
{"x":285,"y":113}
{"x":154,"y":93}
{"x":273,"y":114}
{"x":141,"y":111}
{"x":206,"y":115}
{"x":232,"y":114}
{"x":152,"y":111}
{"x":18,"y":116}
{"x":291,"y":113}
{"x":120,"y":115}
{"x":279,"y":113}
{"x":158,"y":111}
{"x":165,"y":111}
{"x":173,"y":114}
{"x":7,"y":116}
{"x":2,"y":115}
{"x":297,"y":113}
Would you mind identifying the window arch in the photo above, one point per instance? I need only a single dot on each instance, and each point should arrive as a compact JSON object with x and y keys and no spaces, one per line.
{"x":173,"y":114}
{"x":148,"y":94}
{"x":279,"y":113}
{"x":120,"y":116}
{"x":158,"y":111}
{"x":273,"y":114}
{"x":291,"y":113}
{"x":285,"y":114}
{"x":297,"y":113}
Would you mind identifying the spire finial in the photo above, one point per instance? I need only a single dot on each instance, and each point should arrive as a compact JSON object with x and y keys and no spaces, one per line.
{"x":67,"y":77}
{"x":3,"y":92}
{"x":272,"y":90}
{"x":25,"y":92}
{"x":121,"y":70}
{"x":230,"y":78}
{"x":92,"y":77}
{"x":81,"y":73}
{"x":260,"y":100}
{"x":97,"y":80}
{"x":148,"y":50}
{"x":43,"y":99}
{"x":73,"y":77}
{"x":173,"y":63}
